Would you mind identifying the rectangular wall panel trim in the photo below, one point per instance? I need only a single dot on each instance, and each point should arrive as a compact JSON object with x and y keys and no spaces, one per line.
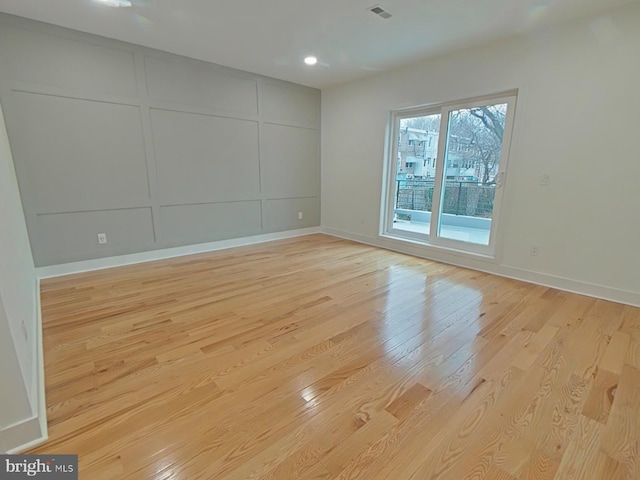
{"x":114,"y":129}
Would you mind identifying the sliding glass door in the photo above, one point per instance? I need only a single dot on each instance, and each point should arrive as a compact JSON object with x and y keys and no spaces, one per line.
{"x":447,"y":172}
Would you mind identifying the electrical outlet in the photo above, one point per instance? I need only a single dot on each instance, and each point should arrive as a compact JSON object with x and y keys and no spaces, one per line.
{"x":545,"y":181}
{"x":102,"y":238}
{"x":534,"y":250}
{"x":299,"y":215}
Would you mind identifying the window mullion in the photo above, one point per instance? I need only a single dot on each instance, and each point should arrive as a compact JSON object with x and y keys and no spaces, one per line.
{"x":440,"y":174}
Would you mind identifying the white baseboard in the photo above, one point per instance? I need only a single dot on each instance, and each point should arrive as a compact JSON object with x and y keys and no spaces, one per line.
{"x":41,"y":408}
{"x":489,"y":266}
{"x":23,"y":435}
{"x":150,"y":256}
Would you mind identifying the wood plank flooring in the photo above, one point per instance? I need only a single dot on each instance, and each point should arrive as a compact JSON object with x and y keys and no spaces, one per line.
{"x":319,"y":358}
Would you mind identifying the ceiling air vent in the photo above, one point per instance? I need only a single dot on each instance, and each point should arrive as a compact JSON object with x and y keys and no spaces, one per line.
{"x":378,"y":10}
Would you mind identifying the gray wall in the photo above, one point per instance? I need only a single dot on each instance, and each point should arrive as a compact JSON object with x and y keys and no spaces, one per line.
{"x":153,"y":149}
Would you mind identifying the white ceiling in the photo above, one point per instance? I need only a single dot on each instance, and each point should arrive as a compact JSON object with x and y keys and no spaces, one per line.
{"x":271,"y":37}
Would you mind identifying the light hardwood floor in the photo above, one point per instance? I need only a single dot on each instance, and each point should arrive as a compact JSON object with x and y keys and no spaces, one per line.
{"x":320,"y":358}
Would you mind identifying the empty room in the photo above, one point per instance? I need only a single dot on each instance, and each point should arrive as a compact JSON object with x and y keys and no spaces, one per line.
{"x":320,"y":240}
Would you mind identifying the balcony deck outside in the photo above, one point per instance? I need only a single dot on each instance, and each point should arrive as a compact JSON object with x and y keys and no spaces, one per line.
{"x":454,"y":232}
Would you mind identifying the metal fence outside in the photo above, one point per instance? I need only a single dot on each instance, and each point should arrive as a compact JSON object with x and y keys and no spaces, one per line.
{"x":460,"y":198}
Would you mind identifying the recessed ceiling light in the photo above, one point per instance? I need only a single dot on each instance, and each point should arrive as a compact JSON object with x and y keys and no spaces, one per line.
{"x":310,"y":60}
{"x":116,"y":3}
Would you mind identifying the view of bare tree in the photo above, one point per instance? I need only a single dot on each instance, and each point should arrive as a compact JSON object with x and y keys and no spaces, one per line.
{"x":483,"y":129}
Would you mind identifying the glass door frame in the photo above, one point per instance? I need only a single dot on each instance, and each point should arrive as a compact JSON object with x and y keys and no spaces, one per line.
{"x":433,"y":239}
{"x":392,"y":170}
